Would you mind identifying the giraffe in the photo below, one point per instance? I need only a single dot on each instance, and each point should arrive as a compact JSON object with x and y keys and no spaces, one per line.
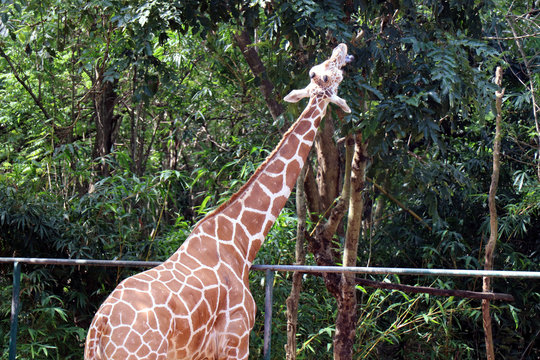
{"x":197,"y":304}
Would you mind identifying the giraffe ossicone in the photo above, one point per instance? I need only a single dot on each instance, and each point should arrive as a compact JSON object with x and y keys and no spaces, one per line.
{"x":197,"y":304}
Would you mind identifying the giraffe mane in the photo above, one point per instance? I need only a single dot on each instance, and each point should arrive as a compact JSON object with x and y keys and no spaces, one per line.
{"x":338,"y":59}
{"x":261,"y":167}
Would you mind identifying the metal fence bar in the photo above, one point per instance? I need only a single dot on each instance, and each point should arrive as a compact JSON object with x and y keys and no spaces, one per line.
{"x":401,"y":271}
{"x":14,"y":310}
{"x":268,"y":300}
{"x":269,"y":269}
{"x":302,"y":268}
{"x":82,"y":262}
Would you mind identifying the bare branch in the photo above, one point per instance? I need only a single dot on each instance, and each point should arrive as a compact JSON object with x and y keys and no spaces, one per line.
{"x":531,"y":87}
{"x":516,"y":37}
{"x":24,"y":84}
{"x":415,"y":289}
{"x":435,"y":291}
{"x":243,"y":41}
{"x":493,"y":222}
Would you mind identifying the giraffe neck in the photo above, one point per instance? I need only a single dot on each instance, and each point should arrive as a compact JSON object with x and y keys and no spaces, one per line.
{"x":245,"y":219}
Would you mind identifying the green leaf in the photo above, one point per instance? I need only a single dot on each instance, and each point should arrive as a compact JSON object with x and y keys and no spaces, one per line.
{"x":4,"y":32}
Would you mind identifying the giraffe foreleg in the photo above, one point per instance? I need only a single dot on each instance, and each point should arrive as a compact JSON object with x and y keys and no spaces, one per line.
{"x":236,"y":346}
{"x":235,"y":327}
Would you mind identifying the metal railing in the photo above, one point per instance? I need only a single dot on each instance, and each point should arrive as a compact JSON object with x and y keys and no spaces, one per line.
{"x":269,"y":270}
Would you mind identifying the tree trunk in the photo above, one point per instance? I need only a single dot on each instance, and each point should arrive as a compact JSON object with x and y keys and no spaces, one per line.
{"x":327,"y":160}
{"x":323,"y":248}
{"x":347,"y":314}
{"x":105,"y":120}
{"x":321,"y":244}
{"x":171,"y":148}
{"x":249,"y":51}
{"x":293,"y":299}
{"x":493,"y":223}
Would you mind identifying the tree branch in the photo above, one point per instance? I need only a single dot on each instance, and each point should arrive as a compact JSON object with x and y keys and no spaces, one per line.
{"x":415,"y":289}
{"x":515,"y":37}
{"x":531,"y":88}
{"x":338,"y":211}
{"x":435,"y":291}
{"x":356,"y":203}
{"x":327,"y":158}
{"x":346,"y":319}
{"x":243,"y":41}
{"x":24,"y":84}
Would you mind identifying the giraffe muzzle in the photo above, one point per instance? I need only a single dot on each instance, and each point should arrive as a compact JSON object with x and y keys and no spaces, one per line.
{"x":340,"y":56}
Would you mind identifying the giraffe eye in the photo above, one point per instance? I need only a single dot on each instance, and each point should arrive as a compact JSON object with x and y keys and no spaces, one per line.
{"x":325,"y":78}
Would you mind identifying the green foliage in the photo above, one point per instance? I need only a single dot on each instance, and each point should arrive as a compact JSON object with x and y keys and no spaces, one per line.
{"x":411,"y":327}
{"x":46,"y":331}
{"x":316,"y":306}
{"x":189,"y":126}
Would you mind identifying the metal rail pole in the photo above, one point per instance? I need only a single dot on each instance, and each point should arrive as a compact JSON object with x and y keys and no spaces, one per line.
{"x":268,"y":299}
{"x":269,"y":270}
{"x":14,"y":310}
{"x":401,"y":271}
{"x":301,"y":268}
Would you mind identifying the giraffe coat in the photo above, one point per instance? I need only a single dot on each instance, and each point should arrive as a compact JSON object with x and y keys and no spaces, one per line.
{"x":197,"y":304}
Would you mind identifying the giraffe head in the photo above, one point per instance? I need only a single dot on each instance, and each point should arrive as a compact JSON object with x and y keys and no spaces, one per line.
{"x":325,"y":79}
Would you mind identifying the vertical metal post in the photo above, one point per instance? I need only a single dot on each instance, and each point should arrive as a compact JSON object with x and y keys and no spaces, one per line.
{"x":14,"y":310}
{"x":269,"y":290}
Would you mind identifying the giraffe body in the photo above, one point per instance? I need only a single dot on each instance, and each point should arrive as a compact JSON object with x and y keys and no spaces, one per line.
{"x":197,"y":304}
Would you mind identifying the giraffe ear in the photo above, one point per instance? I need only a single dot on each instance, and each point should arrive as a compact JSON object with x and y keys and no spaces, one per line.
{"x":341,"y":103}
{"x":296,"y":95}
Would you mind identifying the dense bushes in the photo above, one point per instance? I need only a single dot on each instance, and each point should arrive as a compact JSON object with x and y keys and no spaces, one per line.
{"x":166,"y":86}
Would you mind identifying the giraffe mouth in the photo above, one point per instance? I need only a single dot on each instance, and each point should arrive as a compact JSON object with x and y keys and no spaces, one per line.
{"x":340,"y":57}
